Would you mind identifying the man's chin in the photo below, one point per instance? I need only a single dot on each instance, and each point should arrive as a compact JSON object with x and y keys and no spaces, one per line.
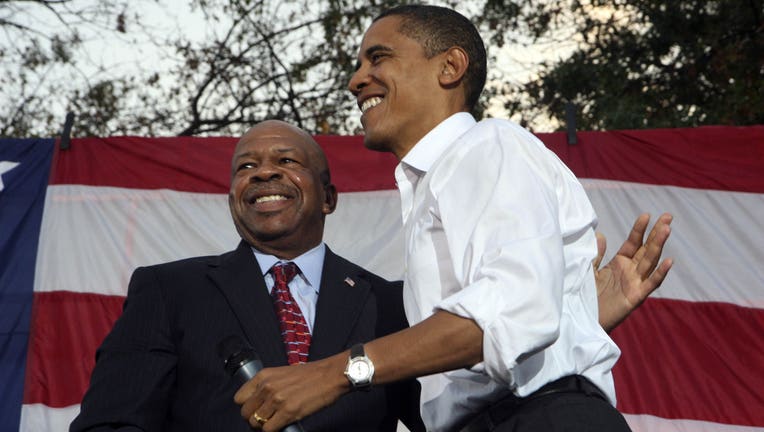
{"x":375,"y":144}
{"x":263,"y":232}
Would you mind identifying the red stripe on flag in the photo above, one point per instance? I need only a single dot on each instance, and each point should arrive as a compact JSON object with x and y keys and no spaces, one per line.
{"x":682,"y":360}
{"x":202,"y":165}
{"x":714,"y":157}
{"x":692,"y":360}
{"x":185,"y":164}
{"x":709,"y":157}
{"x":67,"y":327}
{"x":356,"y":169}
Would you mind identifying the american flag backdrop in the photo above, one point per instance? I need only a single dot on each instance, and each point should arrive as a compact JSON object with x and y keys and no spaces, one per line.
{"x":75,"y":223}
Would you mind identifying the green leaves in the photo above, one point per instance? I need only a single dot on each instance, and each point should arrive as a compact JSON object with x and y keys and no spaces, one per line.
{"x":650,"y":63}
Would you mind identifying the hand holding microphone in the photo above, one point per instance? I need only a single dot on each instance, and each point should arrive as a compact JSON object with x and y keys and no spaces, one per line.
{"x":242,"y":364}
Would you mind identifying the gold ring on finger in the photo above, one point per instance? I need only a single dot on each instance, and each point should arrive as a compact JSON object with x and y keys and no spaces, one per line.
{"x":260,"y":420}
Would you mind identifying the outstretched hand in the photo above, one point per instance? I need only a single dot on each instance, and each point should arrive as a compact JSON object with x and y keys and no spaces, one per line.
{"x":633,"y":273}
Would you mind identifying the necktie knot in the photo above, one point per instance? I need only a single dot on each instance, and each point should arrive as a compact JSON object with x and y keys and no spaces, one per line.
{"x":284,"y":272}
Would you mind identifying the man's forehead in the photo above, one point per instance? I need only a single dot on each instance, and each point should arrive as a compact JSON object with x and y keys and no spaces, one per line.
{"x":385,"y":35}
{"x":251,"y":148}
{"x":276,"y":141}
{"x":383,"y":28}
{"x":280,"y":140}
{"x":370,"y":47}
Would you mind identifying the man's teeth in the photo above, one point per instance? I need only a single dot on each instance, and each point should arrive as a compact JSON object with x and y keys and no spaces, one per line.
{"x":267,"y":198}
{"x":370,"y":103}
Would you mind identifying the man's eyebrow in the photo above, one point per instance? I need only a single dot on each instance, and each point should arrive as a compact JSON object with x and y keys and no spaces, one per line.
{"x":371,"y":51}
{"x":376,"y":48}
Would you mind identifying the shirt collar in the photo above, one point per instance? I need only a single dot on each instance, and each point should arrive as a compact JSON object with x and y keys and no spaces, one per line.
{"x":423,"y":155}
{"x":311,"y":264}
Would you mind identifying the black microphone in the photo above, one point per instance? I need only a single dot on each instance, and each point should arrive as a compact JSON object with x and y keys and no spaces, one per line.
{"x":242,"y":364}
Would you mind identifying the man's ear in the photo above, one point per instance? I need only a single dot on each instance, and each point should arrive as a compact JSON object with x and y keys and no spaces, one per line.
{"x":330,"y":202}
{"x":453,"y":67}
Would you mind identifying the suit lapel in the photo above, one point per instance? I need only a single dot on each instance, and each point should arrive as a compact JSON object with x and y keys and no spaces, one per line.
{"x":239,"y":278}
{"x":340,"y":304}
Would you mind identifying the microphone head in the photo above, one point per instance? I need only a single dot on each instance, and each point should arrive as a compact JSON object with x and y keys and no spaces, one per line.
{"x":235,"y":352}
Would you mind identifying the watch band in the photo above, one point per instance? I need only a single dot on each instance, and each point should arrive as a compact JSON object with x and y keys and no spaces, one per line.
{"x":357,"y":351}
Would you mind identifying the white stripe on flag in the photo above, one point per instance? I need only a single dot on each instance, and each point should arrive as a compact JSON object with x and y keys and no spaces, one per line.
{"x":42,"y":418}
{"x":648,"y":423}
{"x":716,"y":235}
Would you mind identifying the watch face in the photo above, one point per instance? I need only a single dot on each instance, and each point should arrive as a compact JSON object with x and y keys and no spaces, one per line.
{"x":358,"y":370}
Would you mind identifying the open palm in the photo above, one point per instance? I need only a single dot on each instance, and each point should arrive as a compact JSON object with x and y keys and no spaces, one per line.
{"x":633,"y":273}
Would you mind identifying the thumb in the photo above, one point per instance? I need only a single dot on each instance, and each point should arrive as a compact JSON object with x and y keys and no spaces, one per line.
{"x":601,"y":248}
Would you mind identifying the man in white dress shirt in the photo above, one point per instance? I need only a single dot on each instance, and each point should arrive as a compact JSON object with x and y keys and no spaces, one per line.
{"x":499,"y":238}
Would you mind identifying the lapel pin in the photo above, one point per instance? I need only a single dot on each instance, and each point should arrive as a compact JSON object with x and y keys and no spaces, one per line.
{"x":349,"y":281}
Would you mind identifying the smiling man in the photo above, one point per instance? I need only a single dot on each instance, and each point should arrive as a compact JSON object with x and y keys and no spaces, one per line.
{"x":499,"y":239}
{"x":158,"y":369}
{"x":282,"y":213}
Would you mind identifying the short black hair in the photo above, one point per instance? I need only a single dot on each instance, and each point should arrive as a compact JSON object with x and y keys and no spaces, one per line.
{"x":437,"y":29}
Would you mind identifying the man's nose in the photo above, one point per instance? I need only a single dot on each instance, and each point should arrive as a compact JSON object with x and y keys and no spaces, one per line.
{"x":358,"y":80}
{"x":265,"y":171}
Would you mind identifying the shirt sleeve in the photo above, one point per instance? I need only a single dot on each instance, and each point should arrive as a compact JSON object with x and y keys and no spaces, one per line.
{"x":499,"y":213}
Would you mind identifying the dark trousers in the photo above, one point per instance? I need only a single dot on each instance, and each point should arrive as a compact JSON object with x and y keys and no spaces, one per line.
{"x":584,"y":409}
{"x":568,"y":412}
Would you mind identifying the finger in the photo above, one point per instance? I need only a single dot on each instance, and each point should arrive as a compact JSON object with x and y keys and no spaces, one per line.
{"x":601,"y":248}
{"x":252,"y":405}
{"x":280,"y":419}
{"x":267,"y":409}
{"x":656,"y":279}
{"x":248,"y":410}
{"x":663,"y":220}
{"x":256,"y":421}
{"x":648,"y":257}
{"x":666,"y":218}
{"x":652,"y":246}
{"x":245,"y":391}
{"x":262,"y":415}
{"x":258,"y":414}
{"x":632,"y":244}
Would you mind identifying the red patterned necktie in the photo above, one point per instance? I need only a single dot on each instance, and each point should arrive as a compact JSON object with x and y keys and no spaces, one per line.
{"x":294,"y":329}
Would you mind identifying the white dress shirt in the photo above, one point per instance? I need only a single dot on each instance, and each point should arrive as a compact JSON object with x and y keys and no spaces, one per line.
{"x":498,"y":230}
{"x":305,"y":285}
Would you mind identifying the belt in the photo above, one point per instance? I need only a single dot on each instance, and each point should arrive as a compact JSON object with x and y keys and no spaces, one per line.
{"x":506,"y":407}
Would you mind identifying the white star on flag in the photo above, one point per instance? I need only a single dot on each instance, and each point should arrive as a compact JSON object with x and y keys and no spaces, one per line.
{"x":6,"y":166}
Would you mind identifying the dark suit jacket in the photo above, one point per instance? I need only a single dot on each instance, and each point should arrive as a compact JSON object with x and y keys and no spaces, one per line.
{"x":158,"y":369}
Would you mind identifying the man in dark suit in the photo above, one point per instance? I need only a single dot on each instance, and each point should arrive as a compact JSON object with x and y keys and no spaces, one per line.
{"x":158,"y":369}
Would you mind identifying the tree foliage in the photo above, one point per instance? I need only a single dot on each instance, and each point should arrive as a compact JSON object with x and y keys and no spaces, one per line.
{"x":646,"y":63}
{"x":285,"y":60}
{"x":626,"y":64}
{"x":45,"y":69}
